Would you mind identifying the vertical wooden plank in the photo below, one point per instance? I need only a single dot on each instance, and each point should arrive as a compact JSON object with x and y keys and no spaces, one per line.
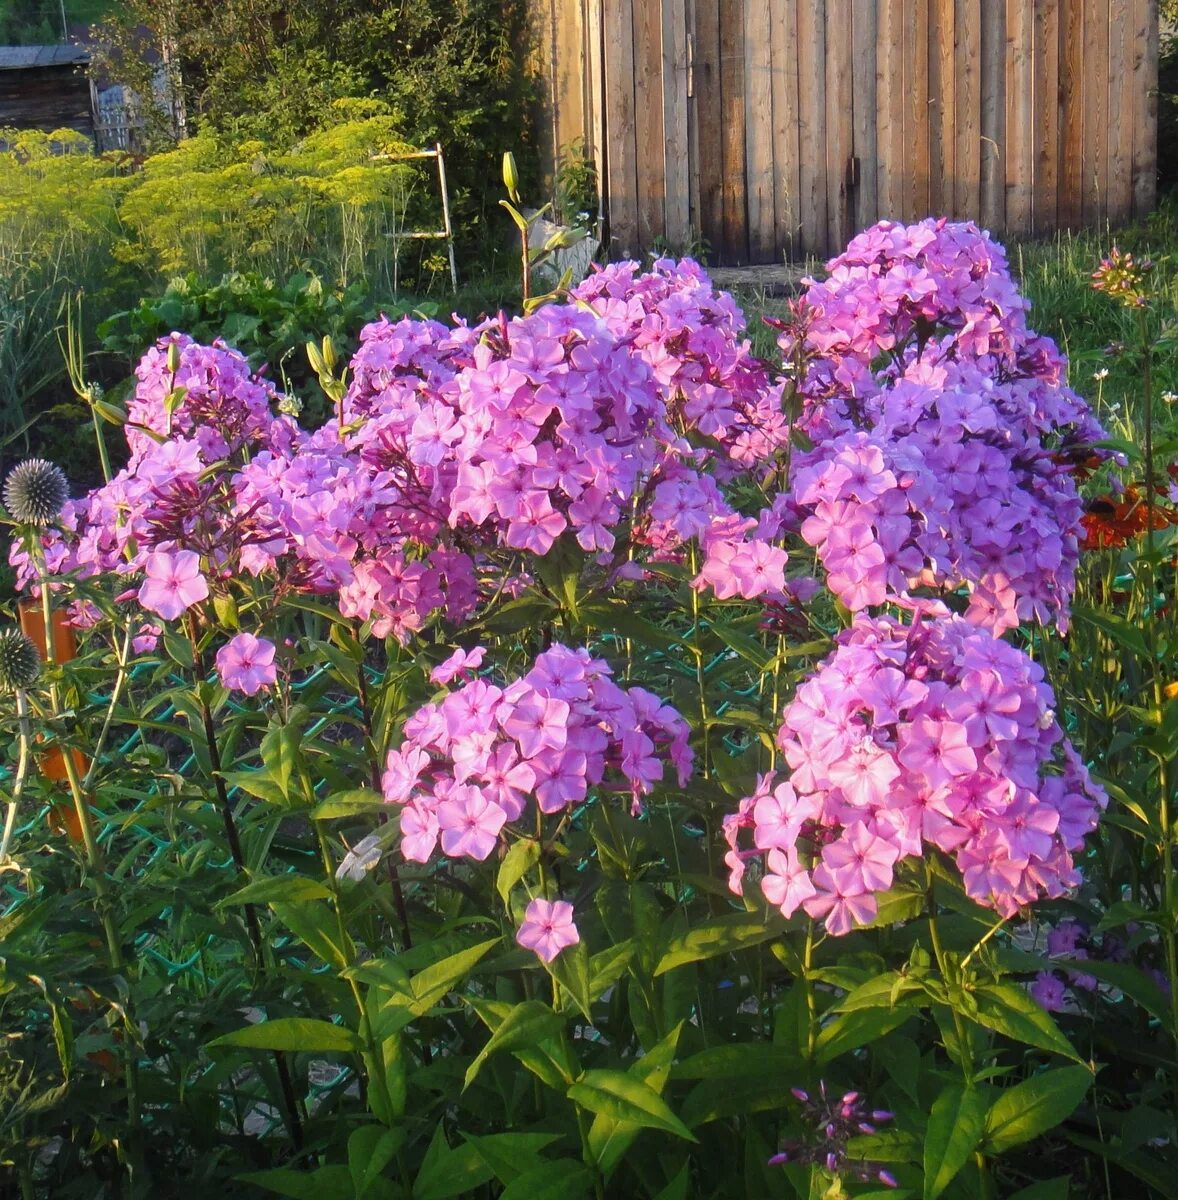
{"x":993,"y":189}
{"x":889,"y":120}
{"x":811,"y":54}
{"x":758,"y":147}
{"x":1144,"y":170}
{"x":942,"y":106}
{"x":621,"y":147}
{"x":567,"y":72}
{"x":1119,"y":177}
{"x":709,"y":118}
{"x":838,"y":122}
{"x":967,"y":180}
{"x":709,"y":160}
{"x":1094,"y":191}
{"x":595,"y":92}
{"x":648,"y":121}
{"x":1045,"y":128}
{"x":916,"y":113}
{"x":864,"y":32}
{"x":1069,"y":208}
{"x":784,"y":37}
{"x":735,"y":240}
{"x":540,"y":65}
{"x":676,"y":157}
{"x":1020,"y":32}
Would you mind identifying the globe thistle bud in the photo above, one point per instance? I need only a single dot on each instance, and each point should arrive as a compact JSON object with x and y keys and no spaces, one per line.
{"x":35,"y":491}
{"x":20,"y":664}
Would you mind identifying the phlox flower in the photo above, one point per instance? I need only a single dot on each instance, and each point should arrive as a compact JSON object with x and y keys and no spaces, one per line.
{"x":172,"y":583}
{"x":246,"y":664}
{"x":469,"y":823}
{"x":548,"y":928}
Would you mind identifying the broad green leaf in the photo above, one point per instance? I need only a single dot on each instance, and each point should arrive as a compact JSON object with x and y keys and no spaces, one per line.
{"x":370,"y":1149}
{"x":292,"y":1033}
{"x":878,"y":992}
{"x":737,"y":1098}
{"x":1128,"y":979}
{"x":326,"y":1183}
{"x":724,"y":935}
{"x":549,"y":1062}
{"x":257,"y":784}
{"x":849,"y":1031}
{"x":1122,"y":631}
{"x":609,"y":1139}
{"x":955,"y":1126}
{"x":528,"y":1024}
{"x":280,"y":756}
{"x":285,"y":888}
{"x":430,"y":985}
{"x":315,"y":925}
{"x":349,"y":804}
{"x":517,"y":862}
{"x":621,"y":1097}
{"x":562,"y":1179}
{"x":1007,"y":1009}
{"x":738,"y":1060}
{"x":570,"y":969}
{"x":511,"y":1155}
{"x":1034,"y":1106}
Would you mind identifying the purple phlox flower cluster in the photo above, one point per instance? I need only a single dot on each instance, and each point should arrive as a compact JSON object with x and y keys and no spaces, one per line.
{"x":1075,"y":942}
{"x":945,"y":441}
{"x":830,"y":1123}
{"x":692,"y":337}
{"x":548,"y":928}
{"x":478,"y":759}
{"x":915,"y":737}
{"x":170,"y":515}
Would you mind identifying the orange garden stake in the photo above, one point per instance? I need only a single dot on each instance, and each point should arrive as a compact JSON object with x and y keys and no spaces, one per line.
{"x":63,"y":816}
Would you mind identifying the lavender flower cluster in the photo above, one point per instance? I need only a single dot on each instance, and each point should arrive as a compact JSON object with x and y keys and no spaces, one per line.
{"x":477,"y":759}
{"x":912,"y":738}
{"x":945,"y":438}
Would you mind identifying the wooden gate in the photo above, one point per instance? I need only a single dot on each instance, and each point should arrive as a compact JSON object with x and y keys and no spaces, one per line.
{"x":776,"y":128}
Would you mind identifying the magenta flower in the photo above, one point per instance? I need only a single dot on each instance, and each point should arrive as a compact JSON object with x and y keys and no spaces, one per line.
{"x":460,"y":662}
{"x":246,"y":664}
{"x":172,"y":583}
{"x":469,"y":823}
{"x":548,"y":928}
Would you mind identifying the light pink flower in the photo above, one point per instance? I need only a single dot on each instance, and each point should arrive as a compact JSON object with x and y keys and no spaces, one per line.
{"x":172,"y":583}
{"x":469,"y":823}
{"x":548,"y":928}
{"x":246,"y":664}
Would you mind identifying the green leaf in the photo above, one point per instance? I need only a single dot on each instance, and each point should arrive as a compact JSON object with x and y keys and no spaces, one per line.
{"x":429,"y":986}
{"x":314,"y":924}
{"x":349,"y":804}
{"x":955,"y":1126}
{"x":563,"y":1179}
{"x":620,"y":1096}
{"x":292,"y":1033}
{"x":517,"y":862}
{"x":609,"y":1139}
{"x":280,"y":756}
{"x":1122,"y":631}
{"x":570,"y":969}
{"x":370,"y":1149}
{"x":850,"y":1030}
{"x":326,"y":1183}
{"x":1126,"y":978}
{"x":724,"y":935}
{"x":1007,"y":1009}
{"x":1034,"y":1106}
{"x":1059,"y":1188}
{"x":528,"y":1024}
{"x":738,"y":1060}
{"x":511,"y":1155}
{"x":288,"y":888}
{"x":879,"y":992}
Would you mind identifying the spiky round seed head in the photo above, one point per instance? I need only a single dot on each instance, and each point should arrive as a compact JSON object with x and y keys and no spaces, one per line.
{"x":35,"y":491}
{"x":20,"y":664}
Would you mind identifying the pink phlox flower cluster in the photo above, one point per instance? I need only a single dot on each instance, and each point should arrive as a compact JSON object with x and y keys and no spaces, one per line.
{"x":169,"y":505}
{"x":692,"y":337}
{"x":482,"y":756}
{"x":911,"y":738}
{"x":222,"y":404}
{"x":246,"y":664}
{"x":945,"y":440}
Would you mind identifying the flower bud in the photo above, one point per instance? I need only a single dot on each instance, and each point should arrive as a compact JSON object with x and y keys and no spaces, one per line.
{"x":35,"y":492}
{"x":173,"y":357}
{"x":510,"y":175}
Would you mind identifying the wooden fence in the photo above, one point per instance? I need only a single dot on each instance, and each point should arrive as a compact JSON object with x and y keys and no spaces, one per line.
{"x":777,"y":128}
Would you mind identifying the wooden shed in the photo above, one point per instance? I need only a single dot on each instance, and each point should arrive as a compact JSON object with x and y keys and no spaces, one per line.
{"x":775,"y":129}
{"x":45,"y":87}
